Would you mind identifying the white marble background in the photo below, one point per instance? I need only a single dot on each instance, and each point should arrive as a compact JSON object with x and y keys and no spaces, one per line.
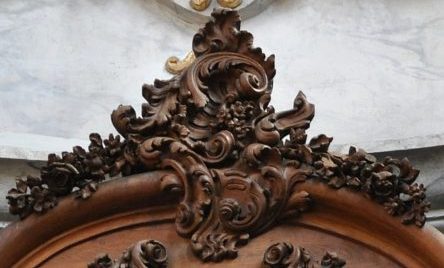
{"x":374,"y":68}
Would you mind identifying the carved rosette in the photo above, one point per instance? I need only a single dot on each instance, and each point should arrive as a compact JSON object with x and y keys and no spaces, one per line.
{"x":213,"y":127}
{"x":283,"y":255}
{"x":144,"y":254}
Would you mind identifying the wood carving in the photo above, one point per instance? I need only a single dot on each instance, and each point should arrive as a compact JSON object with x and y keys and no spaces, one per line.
{"x":144,"y":254}
{"x":284,"y":255}
{"x":331,"y":260}
{"x":212,"y":127}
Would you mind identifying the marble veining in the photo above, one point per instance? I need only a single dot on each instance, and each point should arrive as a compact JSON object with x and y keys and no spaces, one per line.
{"x":374,"y":68}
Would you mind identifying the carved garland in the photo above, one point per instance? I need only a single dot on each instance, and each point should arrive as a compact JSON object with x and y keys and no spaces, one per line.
{"x":283,"y":255}
{"x":144,"y":254}
{"x":212,"y":126}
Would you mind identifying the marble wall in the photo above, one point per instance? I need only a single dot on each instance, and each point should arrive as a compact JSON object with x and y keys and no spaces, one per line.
{"x":374,"y":68}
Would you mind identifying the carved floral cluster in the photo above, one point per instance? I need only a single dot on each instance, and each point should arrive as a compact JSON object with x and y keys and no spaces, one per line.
{"x":389,"y":182}
{"x":78,"y":171}
{"x":144,"y":254}
{"x":283,"y":255}
{"x":235,"y":116}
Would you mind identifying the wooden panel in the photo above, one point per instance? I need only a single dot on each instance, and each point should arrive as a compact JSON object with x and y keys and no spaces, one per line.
{"x":127,"y":210}
{"x":180,"y":255}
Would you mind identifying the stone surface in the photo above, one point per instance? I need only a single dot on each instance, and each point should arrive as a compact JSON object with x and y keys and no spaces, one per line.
{"x":374,"y":69}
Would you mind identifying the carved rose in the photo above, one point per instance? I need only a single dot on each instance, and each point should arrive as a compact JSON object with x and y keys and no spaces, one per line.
{"x":144,"y":254}
{"x":60,"y":178}
{"x":283,"y":254}
{"x":229,"y":209}
{"x":383,"y":183}
{"x":278,"y":254}
{"x":154,"y":254}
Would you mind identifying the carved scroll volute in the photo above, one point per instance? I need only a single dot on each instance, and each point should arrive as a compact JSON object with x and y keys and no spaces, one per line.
{"x":274,"y":126}
{"x":227,"y":74}
{"x":223,"y":34}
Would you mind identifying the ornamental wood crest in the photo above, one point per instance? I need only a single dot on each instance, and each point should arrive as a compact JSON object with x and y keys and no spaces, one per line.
{"x":238,"y":161}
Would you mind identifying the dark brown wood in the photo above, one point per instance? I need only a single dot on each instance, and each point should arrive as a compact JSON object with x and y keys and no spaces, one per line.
{"x":134,"y":208}
{"x":283,"y":255}
{"x":209,"y":138}
{"x":145,"y":253}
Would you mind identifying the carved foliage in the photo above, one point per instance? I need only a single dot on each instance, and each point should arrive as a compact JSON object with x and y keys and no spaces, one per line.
{"x":144,"y":254}
{"x":389,"y":182}
{"x":212,"y":125}
{"x":77,"y":171}
{"x":283,"y":255}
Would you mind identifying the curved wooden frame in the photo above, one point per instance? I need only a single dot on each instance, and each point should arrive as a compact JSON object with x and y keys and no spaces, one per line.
{"x":139,"y":200}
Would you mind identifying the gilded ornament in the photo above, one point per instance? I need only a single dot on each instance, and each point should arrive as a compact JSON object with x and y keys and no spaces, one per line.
{"x":200,"y":5}
{"x":174,"y":65}
{"x":229,"y":3}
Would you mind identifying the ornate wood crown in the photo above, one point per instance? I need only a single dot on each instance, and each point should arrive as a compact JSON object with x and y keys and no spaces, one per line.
{"x":235,"y":160}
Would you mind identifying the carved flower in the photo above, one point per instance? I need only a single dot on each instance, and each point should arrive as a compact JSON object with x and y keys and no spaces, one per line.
{"x":38,"y":199}
{"x":96,"y":145}
{"x":235,"y":116}
{"x":94,"y":166}
{"x":239,"y":110}
{"x":113,"y":145}
{"x":229,"y":209}
{"x":60,"y":177}
{"x":222,"y":115}
{"x":43,"y":199}
{"x":154,"y":254}
{"x":416,"y":214}
{"x":297,"y":137}
{"x":393,"y":205}
{"x":331,"y":260}
{"x":320,"y":143}
{"x":18,"y":199}
{"x":278,"y":254}
{"x":86,"y":190}
{"x":102,"y":261}
{"x":285,"y":255}
{"x":382,"y":184}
